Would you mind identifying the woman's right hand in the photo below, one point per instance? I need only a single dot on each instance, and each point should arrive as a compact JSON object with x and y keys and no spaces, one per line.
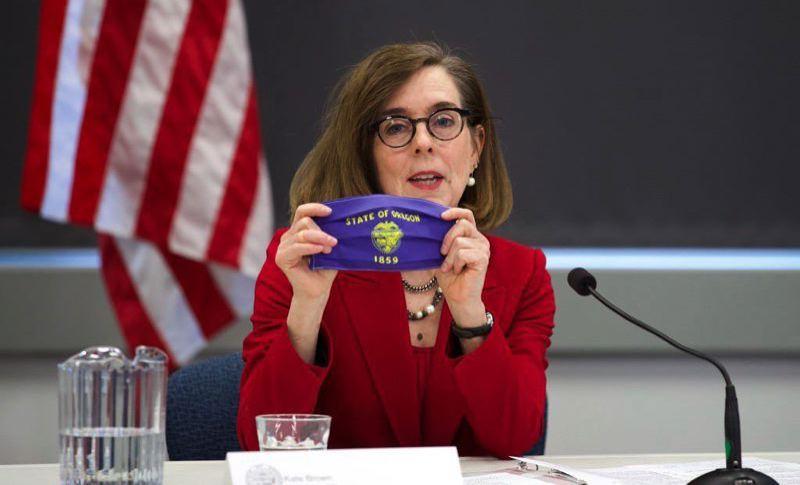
{"x":303,"y":239}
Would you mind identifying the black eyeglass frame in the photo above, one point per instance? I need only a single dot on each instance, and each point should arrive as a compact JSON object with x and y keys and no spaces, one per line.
{"x":464,"y":113}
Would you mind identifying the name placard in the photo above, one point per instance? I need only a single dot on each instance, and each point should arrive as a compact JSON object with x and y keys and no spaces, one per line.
{"x":389,"y":466}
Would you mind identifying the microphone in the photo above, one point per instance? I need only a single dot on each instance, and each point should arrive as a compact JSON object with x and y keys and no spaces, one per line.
{"x":584,"y":284}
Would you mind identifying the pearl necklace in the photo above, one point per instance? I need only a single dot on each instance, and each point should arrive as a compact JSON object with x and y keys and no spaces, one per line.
{"x":419,"y":315}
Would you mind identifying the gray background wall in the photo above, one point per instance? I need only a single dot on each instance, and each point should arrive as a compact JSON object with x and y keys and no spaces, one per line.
{"x":612,"y":388}
{"x":675,"y":122}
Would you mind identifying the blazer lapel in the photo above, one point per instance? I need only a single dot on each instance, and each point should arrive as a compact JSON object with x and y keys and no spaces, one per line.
{"x":376,"y":310}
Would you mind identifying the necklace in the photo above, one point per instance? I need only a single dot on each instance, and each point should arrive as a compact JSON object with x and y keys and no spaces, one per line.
{"x":419,"y":288}
{"x":437,"y":297}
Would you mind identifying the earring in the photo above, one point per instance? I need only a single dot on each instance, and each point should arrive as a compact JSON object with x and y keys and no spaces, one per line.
{"x":471,"y":179}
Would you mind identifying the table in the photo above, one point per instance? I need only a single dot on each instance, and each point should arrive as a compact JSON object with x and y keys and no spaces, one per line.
{"x":215,"y":472}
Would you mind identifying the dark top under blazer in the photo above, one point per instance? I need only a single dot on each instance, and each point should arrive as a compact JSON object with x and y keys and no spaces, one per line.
{"x":488,"y":402}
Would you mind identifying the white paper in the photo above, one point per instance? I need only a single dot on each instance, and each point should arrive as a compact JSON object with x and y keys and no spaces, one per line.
{"x":503,"y":478}
{"x":588,"y":477}
{"x":390,"y":466}
{"x":680,"y":473}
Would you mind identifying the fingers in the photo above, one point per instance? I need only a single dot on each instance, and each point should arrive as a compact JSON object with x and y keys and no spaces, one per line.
{"x":460,"y":229}
{"x":304,"y":237}
{"x":297,"y":251}
{"x":466,"y":252}
{"x":464,"y":246}
{"x":459,"y":213}
{"x":309,"y":210}
{"x":315,"y":236}
{"x":467,"y":258}
{"x":464,"y":226}
{"x":304,"y":242}
{"x":304,"y":230}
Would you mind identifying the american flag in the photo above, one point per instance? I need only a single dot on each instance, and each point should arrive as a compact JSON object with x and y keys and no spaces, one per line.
{"x":144,"y":126}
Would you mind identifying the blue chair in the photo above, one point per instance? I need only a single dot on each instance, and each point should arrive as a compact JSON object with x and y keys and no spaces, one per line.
{"x":538,"y":448}
{"x":202,"y":403}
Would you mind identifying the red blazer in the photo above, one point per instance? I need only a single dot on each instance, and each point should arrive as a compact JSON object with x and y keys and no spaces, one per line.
{"x":488,"y":402}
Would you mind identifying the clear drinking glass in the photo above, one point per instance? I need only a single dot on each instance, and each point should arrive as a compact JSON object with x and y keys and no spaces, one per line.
{"x":112,"y":416}
{"x":293,"y":431}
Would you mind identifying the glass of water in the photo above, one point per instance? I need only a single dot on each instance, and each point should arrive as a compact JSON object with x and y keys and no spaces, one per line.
{"x":111,"y":417}
{"x":293,"y":431}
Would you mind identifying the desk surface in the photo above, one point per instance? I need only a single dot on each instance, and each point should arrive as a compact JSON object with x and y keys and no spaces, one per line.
{"x":215,"y":472}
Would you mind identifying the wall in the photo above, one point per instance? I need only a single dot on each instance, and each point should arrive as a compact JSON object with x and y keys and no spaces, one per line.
{"x":623,"y":123}
{"x":612,"y":387}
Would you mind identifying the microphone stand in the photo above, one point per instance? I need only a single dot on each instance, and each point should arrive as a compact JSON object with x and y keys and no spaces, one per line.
{"x":733,"y":473}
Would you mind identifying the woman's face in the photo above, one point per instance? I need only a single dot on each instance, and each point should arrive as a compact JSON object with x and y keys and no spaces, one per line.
{"x":427,"y":168}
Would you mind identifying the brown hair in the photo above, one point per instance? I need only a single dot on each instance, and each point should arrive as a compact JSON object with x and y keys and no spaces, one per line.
{"x":341,"y":163}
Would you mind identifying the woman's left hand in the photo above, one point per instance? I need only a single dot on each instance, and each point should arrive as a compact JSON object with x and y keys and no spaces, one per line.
{"x":463,"y":272}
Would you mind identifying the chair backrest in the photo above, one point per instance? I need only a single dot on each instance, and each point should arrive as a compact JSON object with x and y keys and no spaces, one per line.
{"x":538,"y":448}
{"x":202,"y":403}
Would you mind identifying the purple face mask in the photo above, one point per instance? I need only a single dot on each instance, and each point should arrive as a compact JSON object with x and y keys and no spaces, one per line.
{"x":383,"y":233}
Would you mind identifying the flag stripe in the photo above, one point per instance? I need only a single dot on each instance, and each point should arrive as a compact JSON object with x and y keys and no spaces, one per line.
{"x":211,"y":154}
{"x":200,"y":290}
{"x":109,"y":77}
{"x":240,"y":192}
{"x":52,"y":15}
{"x":129,"y":158}
{"x":81,"y":23}
{"x":191,"y":74}
{"x":163,"y":299}
{"x":259,"y":225}
{"x":239,"y":289}
{"x":134,"y":321}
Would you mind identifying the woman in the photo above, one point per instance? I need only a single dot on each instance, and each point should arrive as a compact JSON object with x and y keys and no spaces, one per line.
{"x":386,"y":356}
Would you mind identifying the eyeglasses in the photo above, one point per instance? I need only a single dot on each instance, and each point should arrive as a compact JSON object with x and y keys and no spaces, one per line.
{"x":397,"y":131}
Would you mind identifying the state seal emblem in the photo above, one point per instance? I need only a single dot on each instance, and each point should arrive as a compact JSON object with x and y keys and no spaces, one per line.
{"x":260,"y":474}
{"x":386,"y":237}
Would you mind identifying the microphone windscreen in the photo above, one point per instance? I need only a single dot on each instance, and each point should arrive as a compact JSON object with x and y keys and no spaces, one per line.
{"x":581,"y":280}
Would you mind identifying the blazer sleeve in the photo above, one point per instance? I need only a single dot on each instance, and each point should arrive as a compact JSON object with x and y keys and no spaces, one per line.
{"x":275,"y":379}
{"x":503,"y":381}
